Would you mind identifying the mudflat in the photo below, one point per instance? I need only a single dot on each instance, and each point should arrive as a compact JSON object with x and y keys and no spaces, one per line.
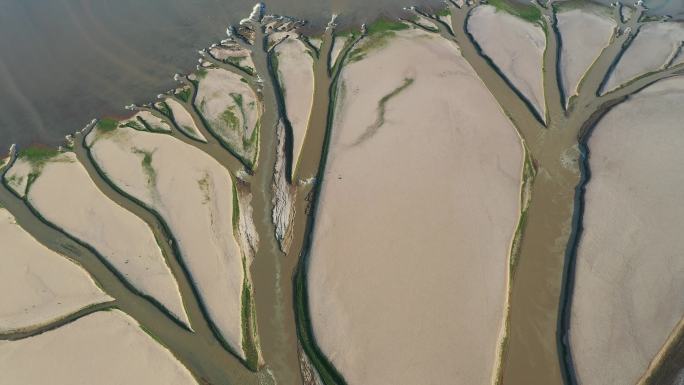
{"x":107,"y":348}
{"x":418,"y":206}
{"x":627,"y":296}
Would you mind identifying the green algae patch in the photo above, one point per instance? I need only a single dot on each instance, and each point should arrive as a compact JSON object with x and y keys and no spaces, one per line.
{"x":378,"y":34}
{"x":139,"y":125}
{"x":529,"y":172}
{"x":185,"y":94}
{"x":249,"y":327}
{"x":146,"y":163}
{"x":230,"y":119}
{"x":529,"y":13}
{"x":201,"y":73}
{"x":107,"y":124}
{"x":38,"y":156}
{"x":165,"y":109}
{"x":250,"y":338}
{"x":382,"y":26}
{"x":443,"y":12}
{"x":204,"y":187}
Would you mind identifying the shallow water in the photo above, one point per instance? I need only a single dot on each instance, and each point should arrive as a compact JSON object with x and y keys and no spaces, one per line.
{"x":67,"y":61}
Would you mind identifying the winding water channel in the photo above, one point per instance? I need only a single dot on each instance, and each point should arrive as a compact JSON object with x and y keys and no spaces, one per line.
{"x":541,"y":281}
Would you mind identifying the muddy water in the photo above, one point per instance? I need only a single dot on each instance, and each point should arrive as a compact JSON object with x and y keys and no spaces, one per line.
{"x":64,"y":62}
{"x":532,"y":357}
{"x":103,"y":55}
{"x":272,"y":270}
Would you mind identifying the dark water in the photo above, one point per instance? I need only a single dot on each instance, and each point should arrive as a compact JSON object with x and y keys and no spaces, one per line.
{"x":63,"y":62}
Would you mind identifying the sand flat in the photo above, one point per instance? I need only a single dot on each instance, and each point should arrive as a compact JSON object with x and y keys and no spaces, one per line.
{"x":184,"y":120}
{"x":105,"y":348}
{"x":231,"y":109}
{"x":338,"y":44}
{"x":649,"y":51}
{"x":193,"y":193}
{"x":44,"y":285}
{"x":629,"y":266}
{"x":516,"y":47}
{"x":295,"y":70}
{"x":155,"y":123}
{"x":584,"y":33}
{"x":233,"y":54}
{"x":64,"y":194}
{"x":17,"y":176}
{"x":408,"y":264}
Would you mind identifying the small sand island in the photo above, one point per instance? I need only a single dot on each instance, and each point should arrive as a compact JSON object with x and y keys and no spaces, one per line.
{"x":484,"y":193}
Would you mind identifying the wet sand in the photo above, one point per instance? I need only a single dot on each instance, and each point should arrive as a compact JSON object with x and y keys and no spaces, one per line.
{"x":295,"y":68}
{"x":65,"y":196}
{"x":153,"y":122}
{"x":193,"y":194}
{"x":516,"y":47}
{"x":17,"y":177}
{"x":338,"y":44}
{"x":184,"y":120}
{"x":406,"y":265}
{"x":629,"y":267}
{"x":584,"y":32}
{"x":231,"y":109}
{"x":649,"y":51}
{"x":107,"y":348}
{"x":45,"y":285}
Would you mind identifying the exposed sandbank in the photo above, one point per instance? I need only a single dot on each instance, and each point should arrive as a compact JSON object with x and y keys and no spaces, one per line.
{"x":64,"y":195}
{"x":194,"y":194}
{"x":43,"y":284}
{"x":516,"y":47}
{"x":295,"y":71}
{"x":105,"y":348}
{"x":231,"y":108}
{"x":628,"y":285}
{"x":417,"y":209}
{"x":17,"y":177}
{"x":649,"y":51}
{"x":338,"y":44}
{"x":233,"y":54}
{"x":184,"y":120}
{"x":584,"y":33}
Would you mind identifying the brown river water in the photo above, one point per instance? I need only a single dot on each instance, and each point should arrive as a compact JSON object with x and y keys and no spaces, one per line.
{"x":67,"y":61}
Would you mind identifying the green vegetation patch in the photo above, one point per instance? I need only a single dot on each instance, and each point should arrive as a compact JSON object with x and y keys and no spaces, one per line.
{"x":184,"y":94}
{"x":201,"y":73}
{"x":383,"y":25}
{"x":236,"y":61}
{"x":526,"y":12}
{"x":249,"y":340}
{"x":37,"y":155}
{"x":107,"y":124}
{"x":230,"y":119}
{"x":205,"y":188}
{"x":378,"y":34}
{"x":528,"y":175}
{"x":135,"y":124}
{"x":164,"y":109}
{"x":443,"y":12}
{"x":146,"y":163}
